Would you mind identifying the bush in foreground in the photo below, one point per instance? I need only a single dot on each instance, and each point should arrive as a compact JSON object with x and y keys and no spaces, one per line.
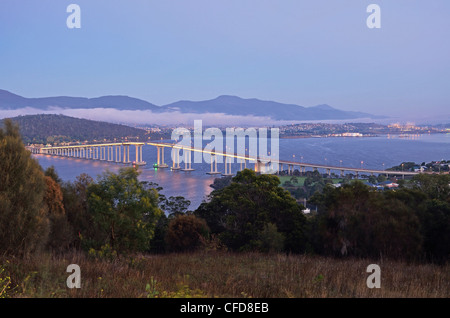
{"x":186,"y":233}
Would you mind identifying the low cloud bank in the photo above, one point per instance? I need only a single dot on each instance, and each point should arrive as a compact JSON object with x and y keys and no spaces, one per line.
{"x":146,"y":117}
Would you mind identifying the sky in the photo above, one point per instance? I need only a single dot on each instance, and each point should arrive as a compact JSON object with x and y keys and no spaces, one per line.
{"x":290,"y":51}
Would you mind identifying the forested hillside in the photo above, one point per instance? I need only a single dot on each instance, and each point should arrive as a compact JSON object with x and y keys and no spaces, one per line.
{"x":59,"y":128}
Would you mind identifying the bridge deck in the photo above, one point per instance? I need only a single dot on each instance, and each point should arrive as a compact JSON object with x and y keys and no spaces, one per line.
{"x":286,"y":162}
{"x":96,"y":145}
{"x":242,"y":157}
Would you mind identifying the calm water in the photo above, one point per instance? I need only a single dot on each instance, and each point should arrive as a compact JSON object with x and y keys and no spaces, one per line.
{"x":373,"y":152}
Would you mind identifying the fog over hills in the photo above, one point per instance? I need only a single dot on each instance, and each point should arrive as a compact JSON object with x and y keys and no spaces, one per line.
{"x":125,"y":108}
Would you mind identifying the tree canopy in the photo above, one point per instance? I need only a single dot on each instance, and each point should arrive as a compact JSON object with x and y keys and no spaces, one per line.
{"x":24,"y":225}
{"x":124,"y":210}
{"x":409,"y":223}
{"x":251,"y":207}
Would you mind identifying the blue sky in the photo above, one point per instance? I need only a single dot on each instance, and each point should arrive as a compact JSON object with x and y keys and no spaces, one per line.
{"x":291,"y":51}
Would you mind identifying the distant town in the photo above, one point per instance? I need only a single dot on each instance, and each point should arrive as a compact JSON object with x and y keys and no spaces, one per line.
{"x":59,"y":130}
{"x":358,"y":130}
{"x":307,"y":130}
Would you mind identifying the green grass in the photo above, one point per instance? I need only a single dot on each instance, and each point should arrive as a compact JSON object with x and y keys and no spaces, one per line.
{"x":301,"y":180}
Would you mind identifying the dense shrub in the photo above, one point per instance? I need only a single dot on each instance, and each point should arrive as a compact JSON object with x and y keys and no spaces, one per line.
{"x":186,"y":233}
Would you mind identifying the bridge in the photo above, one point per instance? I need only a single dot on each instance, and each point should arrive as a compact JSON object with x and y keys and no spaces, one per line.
{"x":120,"y":153}
{"x":111,"y":152}
{"x":260,"y":164}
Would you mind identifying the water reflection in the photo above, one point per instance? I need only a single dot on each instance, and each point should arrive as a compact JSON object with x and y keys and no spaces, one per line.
{"x":375,"y":152}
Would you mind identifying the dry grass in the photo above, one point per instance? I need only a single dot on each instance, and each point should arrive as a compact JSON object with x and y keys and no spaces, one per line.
{"x":217,"y":274}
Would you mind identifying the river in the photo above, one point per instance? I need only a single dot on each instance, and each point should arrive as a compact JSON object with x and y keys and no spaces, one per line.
{"x":369,"y":152}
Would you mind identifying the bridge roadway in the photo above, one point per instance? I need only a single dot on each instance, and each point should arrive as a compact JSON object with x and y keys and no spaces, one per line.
{"x":261,"y":163}
{"x":112,"y":152}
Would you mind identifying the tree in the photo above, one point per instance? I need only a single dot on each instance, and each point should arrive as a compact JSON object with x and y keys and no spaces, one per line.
{"x":381,"y":178}
{"x":287,"y":183}
{"x":24,"y":224}
{"x":124,"y":211}
{"x":53,"y":197}
{"x":220,"y":183}
{"x":51,"y":172}
{"x":61,"y":233}
{"x":158,"y":241}
{"x":433,"y":211}
{"x":435,"y":186}
{"x":372,"y":179}
{"x":355,"y":220}
{"x":271,"y":240}
{"x":186,"y":233}
{"x":76,"y":208}
{"x":174,"y":206}
{"x":240,"y":213}
{"x":435,"y":226}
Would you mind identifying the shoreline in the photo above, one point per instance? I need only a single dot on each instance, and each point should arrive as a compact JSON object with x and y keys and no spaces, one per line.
{"x":399,"y":135}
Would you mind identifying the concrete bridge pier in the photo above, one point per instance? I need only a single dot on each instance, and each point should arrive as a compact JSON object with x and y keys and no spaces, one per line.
{"x":176,"y":160}
{"x":290,"y":169}
{"x":118,"y":153}
{"x":160,"y":158}
{"x":243,"y":163}
{"x":139,"y":160}
{"x":227,"y":163}
{"x":187,"y":161}
{"x":126,"y":154}
{"x":213,"y":168}
{"x":280,"y":168}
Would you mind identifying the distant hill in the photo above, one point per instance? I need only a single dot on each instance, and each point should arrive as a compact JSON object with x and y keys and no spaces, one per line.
{"x":233,"y":105}
{"x":12,"y":101}
{"x":225,"y":104}
{"x":58,"y":128}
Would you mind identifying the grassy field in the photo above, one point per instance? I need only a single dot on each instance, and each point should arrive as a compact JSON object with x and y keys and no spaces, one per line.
{"x":219,"y":274}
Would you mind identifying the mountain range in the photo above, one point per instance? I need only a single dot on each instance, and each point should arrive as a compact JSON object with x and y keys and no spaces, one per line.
{"x":225,"y":104}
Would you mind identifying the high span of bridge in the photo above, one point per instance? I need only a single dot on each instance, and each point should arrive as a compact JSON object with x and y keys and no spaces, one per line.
{"x":120,"y":153}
